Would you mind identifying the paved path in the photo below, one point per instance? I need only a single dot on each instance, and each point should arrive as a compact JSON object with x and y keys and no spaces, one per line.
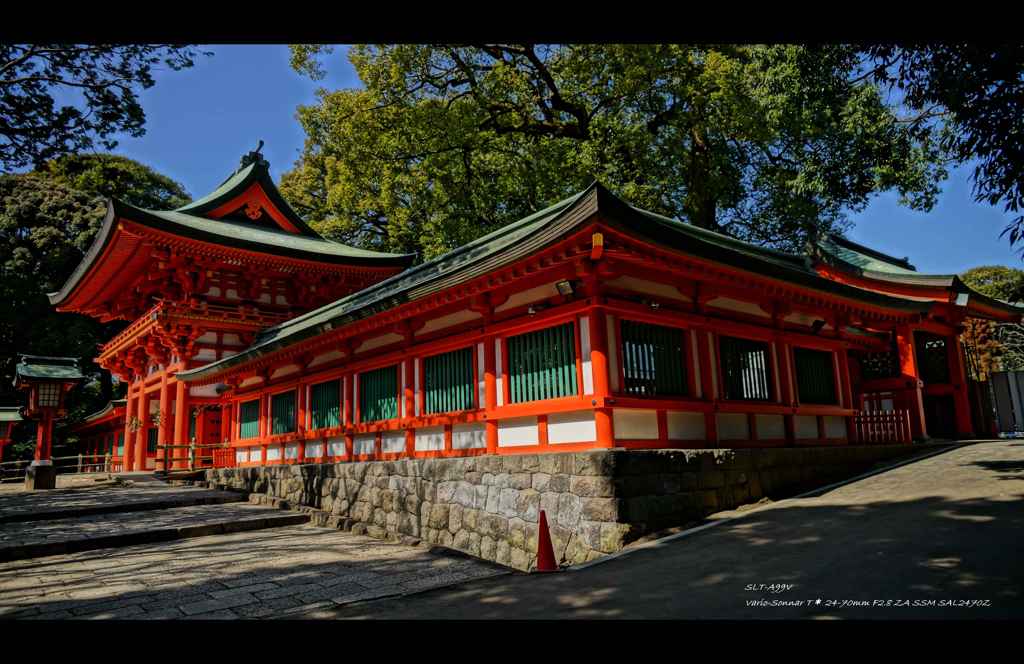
{"x":948,"y":528}
{"x":31,"y":539}
{"x":65,"y":503}
{"x":284,"y":572}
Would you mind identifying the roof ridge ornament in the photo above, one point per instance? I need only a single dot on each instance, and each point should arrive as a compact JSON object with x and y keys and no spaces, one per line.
{"x":254,"y":157}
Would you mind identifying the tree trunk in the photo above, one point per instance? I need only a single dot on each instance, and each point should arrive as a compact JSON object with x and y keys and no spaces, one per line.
{"x":700,"y":202}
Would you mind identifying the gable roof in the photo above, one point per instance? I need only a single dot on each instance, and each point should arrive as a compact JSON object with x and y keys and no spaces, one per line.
{"x":47,"y":368}
{"x":527,"y":236}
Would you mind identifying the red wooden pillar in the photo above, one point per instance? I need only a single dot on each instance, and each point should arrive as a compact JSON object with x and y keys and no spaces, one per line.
{"x":165,"y":421}
{"x":910,"y":372}
{"x":127,"y":456}
{"x":409,"y":404}
{"x":140,"y":436}
{"x":181,"y":408}
{"x":846,"y":389}
{"x":958,"y":378}
{"x":490,"y":393}
{"x":599,"y":368}
{"x":709,"y":383}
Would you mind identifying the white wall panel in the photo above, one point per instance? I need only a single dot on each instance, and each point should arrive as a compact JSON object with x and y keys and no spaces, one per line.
{"x":686,"y":426}
{"x":630,"y":424}
{"x":572,"y":427}
{"x":429,"y":439}
{"x":517,"y":431}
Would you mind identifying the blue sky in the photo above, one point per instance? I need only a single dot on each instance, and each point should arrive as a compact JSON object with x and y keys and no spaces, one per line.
{"x":202,"y":120}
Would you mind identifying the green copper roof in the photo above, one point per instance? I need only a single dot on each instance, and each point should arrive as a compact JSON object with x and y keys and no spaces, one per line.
{"x":10,"y":414}
{"x":111,"y":405}
{"x":865,"y":258}
{"x":41,"y":367}
{"x":525,"y":237}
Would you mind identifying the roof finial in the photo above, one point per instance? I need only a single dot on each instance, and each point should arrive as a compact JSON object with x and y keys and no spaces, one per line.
{"x":254,"y":157}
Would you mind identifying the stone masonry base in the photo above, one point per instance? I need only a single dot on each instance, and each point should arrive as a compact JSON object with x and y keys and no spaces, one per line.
{"x":596,"y":502}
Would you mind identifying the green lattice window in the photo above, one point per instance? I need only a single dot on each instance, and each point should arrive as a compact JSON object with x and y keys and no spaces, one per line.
{"x":120,"y":443}
{"x":282,"y":413}
{"x":653,"y":363}
{"x":378,"y":394}
{"x":448,"y":381}
{"x":932,"y":361}
{"x":744,"y":369}
{"x":192,"y":415}
{"x":815,"y":376}
{"x":151,"y":435}
{"x":542,"y":364}
{"x":249,"y":419}
{"x":325,"y":405}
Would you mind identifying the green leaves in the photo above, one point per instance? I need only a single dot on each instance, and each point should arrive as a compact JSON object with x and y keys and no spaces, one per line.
{"x":445,"y":143}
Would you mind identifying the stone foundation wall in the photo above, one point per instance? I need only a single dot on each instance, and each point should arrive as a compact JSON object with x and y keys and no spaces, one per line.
{"x":595,"y":502}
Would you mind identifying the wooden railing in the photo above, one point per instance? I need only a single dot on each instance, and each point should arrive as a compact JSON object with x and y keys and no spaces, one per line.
{"x":883,"y":426}
{"x":14,"y":471}
{"x":224,"y":458}
{"x":196,"y":457}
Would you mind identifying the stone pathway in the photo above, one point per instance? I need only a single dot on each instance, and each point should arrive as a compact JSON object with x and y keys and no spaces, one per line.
{"x":935,"y":539}
{"x":31,"y":539}
{"x":296,"y":571}
{"x":64,"y":503}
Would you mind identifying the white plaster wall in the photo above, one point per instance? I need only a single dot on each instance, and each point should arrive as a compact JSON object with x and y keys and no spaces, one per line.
{"x":241,"y":455}
{"x":284,"y":371}
{"x":364,"y":443}
{"x":632,"y":424}
{"x":648,"y":287}
{"x":517,"y":431}
{"x":205,"y":354}
{"x":315,"y":450}
{"x":835,"y":426}
{"x":572,"y":427}
{"x":770,"y":427}
{"x":393,"y":441}
{"x":203,"y":391}
{"x":291,"y":451}
{"x":323,"y":358}
{"x":273,"y":452}
{"x":207,"y":338}
{"x":429,"y":439}
{"x":588,"y":371}
{"x":469,"y":436}
{"x":377,"y":342}
{"x":527,"y":296}
{"x":805,"y":426}
{"x":733,"y":426}
{"x":230,"y":339}
{"x":686,"y":426}
{"x":463,"y":316}
{"x":737,"y":305}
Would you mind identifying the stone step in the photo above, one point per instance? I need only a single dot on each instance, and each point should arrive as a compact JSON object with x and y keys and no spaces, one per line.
{"x":23,"y":540}
{"x":89,"y":501}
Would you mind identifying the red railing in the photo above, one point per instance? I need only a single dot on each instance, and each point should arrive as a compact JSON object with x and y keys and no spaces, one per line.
{"x":883,"y":426}
{"x":224,"y":457}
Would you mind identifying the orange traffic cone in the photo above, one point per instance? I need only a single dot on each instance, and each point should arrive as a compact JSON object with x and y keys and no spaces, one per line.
{"x":545,"y":552}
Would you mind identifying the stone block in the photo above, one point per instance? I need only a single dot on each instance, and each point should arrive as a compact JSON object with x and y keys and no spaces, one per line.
{"x":591,"y":486}
{"x":493,"y":495}
{"x":539,"y":481}
{"x":600,"y":509}
{"x":593,"y":463}
{"x":512,"y":463}
{"x":438,"y":516}
{"x":520,"y":481}
{"x":712,"y":479}
{"x":612,"y":537}
{"x":455,"y":518}
{"x":507,"y":502}
{"x":528,"y":505}
{"x":488,"y":548}
{"x":502,"y":553}
{"x":569,"y":507}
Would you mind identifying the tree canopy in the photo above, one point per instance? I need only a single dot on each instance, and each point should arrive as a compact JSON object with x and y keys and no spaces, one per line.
{"x":997,"y":347}
{"x":770,"y":144}
{"x":974,"y":92}
{"x":48,"y":220}
{"x":58,"y":99}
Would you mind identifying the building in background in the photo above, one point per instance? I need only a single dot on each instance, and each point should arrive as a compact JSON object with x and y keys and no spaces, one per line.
{"x":588,"y":324}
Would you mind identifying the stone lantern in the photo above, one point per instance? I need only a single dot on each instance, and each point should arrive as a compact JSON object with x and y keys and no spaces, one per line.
{"x":9,"y":417}
{"x":48,"y":381}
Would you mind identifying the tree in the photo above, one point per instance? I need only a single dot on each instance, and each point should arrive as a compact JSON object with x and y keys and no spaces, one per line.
{"x":997,"y":347}
{"x":58,"y":99}
{"x":975,"y":93}
{"x":770,"y":144}
{"x":48,"y":220}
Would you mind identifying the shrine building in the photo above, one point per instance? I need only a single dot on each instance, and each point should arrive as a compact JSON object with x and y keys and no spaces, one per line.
{"x":588,"y":324}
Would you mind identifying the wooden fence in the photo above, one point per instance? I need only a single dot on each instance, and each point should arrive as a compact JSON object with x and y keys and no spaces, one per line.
{"x":883,"y":426}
